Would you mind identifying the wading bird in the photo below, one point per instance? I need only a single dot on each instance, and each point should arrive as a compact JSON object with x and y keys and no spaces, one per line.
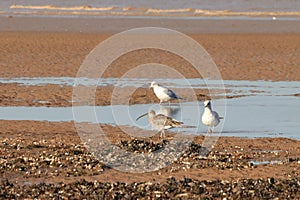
{"x":162,"y":93}
{"x":210,"y":118}
{"x":161,"y":122}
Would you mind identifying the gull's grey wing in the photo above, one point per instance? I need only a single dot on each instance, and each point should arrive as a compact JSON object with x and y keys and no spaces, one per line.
{"x":171,"y":94}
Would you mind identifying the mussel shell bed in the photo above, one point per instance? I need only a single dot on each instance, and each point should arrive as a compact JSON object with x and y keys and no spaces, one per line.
{"x":41,"y":160}
{"x":186,"y":188}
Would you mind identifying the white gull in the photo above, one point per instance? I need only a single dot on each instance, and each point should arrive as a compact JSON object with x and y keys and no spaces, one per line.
{"x":162,"y":93}
{"x":210,"y":118}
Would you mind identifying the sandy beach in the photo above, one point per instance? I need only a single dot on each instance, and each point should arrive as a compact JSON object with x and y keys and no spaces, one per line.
{"x":48,"y":160}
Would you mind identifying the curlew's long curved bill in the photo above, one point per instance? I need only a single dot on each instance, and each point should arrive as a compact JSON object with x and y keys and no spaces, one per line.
{"x":143,"y":115}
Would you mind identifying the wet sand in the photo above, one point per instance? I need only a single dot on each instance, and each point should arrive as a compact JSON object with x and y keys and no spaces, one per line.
{"x":189,"y":25}
{"x":56,"y":95}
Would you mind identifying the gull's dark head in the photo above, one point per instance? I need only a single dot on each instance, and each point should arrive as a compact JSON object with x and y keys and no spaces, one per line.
{"x":207,"y":104}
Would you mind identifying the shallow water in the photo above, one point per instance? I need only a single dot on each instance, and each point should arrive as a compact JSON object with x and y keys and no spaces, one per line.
{"x":237,"y":5}
{"x":236,"y":88}
{"x":251,"y":116}
{"x":272,"y":162}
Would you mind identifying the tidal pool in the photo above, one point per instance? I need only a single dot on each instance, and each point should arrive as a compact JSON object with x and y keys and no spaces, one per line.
{"x":250,"y":116}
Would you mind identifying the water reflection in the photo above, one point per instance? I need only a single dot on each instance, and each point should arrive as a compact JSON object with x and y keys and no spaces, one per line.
{"x":170,"y":111}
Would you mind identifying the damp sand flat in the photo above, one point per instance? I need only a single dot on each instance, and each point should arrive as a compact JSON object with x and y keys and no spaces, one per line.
{"x":273,"y":57}
{"x":236,"y":87}
{"x":206,"y":25}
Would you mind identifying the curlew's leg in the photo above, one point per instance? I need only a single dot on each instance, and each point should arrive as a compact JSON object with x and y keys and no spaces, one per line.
{"x":162,"y":133}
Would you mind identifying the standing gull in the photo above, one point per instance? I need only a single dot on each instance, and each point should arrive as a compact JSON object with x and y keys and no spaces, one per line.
{"x":163,"y":94}
{"x":210,"y":118}
{"x":161,"y":122}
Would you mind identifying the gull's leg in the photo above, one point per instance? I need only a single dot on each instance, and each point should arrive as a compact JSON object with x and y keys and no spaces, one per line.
{"x":209,"y":130}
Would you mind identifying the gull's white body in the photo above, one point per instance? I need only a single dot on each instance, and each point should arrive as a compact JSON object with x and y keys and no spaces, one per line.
{"x":162,"y":93}
{"x":210,"y":118}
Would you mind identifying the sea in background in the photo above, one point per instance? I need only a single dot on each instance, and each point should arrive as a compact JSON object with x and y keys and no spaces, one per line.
{"x":175,"y":8}
{"x":201,"y":16}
